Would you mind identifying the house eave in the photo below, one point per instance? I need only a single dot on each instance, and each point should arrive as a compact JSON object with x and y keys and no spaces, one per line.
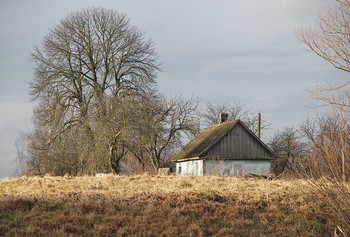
{"x":238,"y":158}
{"x":224,"y":158}
{"x":186,"y":159}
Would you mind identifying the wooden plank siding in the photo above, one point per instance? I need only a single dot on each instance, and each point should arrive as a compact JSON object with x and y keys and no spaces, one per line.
{"x":238,"y":143}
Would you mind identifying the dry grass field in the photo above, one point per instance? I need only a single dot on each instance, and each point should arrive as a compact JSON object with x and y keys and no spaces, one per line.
{"x":160,"y":206}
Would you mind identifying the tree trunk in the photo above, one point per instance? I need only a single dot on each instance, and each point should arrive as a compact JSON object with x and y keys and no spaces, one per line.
{"x":155,"y":160}
{"x":113,"y":157}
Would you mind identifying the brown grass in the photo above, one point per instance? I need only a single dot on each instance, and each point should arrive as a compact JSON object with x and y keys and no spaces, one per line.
{"x":159,"y":206}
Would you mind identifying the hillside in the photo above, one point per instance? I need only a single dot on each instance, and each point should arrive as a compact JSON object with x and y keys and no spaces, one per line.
{"x":159,"y":206}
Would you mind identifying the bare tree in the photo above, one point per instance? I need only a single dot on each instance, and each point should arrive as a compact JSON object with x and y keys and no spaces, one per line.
{"x":328,"y":161}
{"x":327,"y":164}
{"x":29,"y":160}
{"x":289,"y":147}
{"x":91,"y":58}
{"x":211,"y":112}
{"x":329,"y":38}
{"x":235,"y":110}
{"x":160,"y":123}
{"x":252,"y":121}
{"x":177,"y":118}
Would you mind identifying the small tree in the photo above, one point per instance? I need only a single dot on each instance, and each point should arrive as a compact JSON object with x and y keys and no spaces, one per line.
{"x":160,"y":123}
{"x":288,"y":146}
{"x":235,"y":110}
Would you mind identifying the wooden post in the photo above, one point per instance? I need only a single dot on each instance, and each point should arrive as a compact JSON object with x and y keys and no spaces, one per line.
{"x":343,"y":164}
{"x":259,"y":124}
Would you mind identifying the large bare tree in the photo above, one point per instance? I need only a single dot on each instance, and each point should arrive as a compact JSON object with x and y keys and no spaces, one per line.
{"x":83,"y":68}
{"x":89,"y":55}
{"x":329,"y":38}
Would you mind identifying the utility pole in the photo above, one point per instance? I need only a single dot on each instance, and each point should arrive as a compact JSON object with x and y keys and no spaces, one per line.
{"x":259,"y":124}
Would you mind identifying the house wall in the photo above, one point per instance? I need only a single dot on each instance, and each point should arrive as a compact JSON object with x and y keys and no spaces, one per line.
{"x":237,"y":167}
{"x":224,"y":167}
{"x":192,"y":167}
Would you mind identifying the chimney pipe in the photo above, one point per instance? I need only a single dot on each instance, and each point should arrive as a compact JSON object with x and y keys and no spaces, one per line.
{"x":223,"y":117}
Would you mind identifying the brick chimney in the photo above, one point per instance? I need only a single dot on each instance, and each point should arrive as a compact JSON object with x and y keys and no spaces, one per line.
{"x":223,"y":117}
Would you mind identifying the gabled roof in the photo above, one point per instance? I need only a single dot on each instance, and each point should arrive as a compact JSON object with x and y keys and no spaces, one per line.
{"x":209,"y":137}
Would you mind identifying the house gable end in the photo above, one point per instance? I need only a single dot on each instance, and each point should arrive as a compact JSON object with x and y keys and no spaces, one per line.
{"x":239,"y":142}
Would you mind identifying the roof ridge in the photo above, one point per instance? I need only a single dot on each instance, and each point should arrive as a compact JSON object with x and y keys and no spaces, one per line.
{"x":221,"y":123}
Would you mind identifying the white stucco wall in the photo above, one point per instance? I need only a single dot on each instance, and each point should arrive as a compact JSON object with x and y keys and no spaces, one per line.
{"x":237,"y":167}
{"x":192,"y":167}
{"x":224,"y":167}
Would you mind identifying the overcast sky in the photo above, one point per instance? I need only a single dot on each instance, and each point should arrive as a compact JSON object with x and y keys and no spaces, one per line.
{"x":217,"y":50}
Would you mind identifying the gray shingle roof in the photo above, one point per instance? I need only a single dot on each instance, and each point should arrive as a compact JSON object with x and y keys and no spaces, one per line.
{"x":202,"y":142}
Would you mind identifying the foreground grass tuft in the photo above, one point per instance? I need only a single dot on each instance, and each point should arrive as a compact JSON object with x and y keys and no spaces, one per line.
{"x":159,"y":206}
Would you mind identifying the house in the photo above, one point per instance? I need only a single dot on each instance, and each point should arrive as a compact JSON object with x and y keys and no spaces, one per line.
{"x":227,"y":148}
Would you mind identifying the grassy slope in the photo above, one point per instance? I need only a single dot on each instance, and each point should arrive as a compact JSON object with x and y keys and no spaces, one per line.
{"x":159,"y":206}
